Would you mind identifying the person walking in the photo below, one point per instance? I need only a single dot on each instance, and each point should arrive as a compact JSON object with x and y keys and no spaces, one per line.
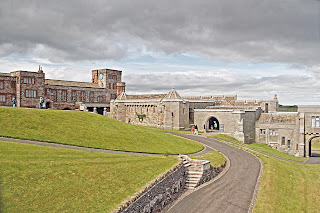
{"x":41,"y":103}
{"x":14,"y":102}
{"x":192,"y":130}
{"x":196,"y":130}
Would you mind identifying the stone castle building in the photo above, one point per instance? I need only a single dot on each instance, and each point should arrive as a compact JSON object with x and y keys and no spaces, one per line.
{"x":248,"y":121}
{"x":27,"y":88}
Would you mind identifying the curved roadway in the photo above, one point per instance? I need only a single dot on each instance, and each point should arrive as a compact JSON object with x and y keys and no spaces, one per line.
{"x":233,"y":192}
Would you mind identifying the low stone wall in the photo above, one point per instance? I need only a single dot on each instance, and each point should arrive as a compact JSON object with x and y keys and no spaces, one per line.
{"x":159,"y":196}
{"x":209,"y":174}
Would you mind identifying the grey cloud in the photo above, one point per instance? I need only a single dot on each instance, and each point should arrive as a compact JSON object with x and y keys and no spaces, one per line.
{"x":260,"y":31}
{"x":291,"y":89}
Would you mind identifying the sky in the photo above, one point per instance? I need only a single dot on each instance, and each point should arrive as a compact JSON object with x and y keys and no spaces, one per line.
{"x":249,"y":48}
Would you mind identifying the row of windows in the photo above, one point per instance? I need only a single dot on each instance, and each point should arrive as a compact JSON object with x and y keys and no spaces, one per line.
{"x":315,"y":121}
{"x":31,"y":93}
{"x":28,"y":80}
{"x":112,"y":77}
{"x":275,"y":132}
{"x":82,"y":96}
{"x":13,"y":84}
{"x":271,"y":132}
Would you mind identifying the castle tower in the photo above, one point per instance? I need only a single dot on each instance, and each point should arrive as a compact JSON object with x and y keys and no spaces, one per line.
{"x":121,"y":87}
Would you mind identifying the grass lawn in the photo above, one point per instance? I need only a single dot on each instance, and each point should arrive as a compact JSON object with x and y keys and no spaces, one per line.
{"x":216,"y":158}
{"x":89,"y":130}
{"x":49,"y":179}
{"x":261,"y":147}
{"x":171,"y":130}
{"x":288,"y":187}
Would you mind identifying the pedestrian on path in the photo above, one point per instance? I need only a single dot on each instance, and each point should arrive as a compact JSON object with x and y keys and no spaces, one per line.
{"x":192,"y":130}
{"x":196,"y":130}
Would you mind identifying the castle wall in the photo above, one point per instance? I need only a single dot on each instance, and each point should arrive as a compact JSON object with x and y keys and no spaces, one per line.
{"x":61,"y":97}
{"x":7,"y":90}
{"x":248,"y":121}
{"x":280,"y":131}
{"x":176,"y":114}
{"x":27,"y":87}
{"x":231,"y":121}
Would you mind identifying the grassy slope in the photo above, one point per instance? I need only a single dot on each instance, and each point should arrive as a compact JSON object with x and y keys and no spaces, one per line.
{"x":216,"y":158}
{"x":288,"y":187}
{"x":47,"y":179}
{"x":261,"y":147}
{"x":285,"y":186}
{"x":187,"y":132}
{"x":89,"y":130}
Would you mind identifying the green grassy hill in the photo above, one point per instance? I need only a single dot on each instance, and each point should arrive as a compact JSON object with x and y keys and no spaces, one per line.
{"x":37,"y":178}
{"x":89,"y":130}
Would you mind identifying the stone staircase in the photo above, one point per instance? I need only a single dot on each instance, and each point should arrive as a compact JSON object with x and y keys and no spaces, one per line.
{"x":194,"y":170}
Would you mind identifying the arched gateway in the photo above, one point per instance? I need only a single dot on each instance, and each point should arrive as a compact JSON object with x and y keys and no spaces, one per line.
{"x":212,"y":124}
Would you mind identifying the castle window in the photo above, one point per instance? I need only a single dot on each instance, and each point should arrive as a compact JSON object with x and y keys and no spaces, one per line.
{"x":283,"y":141}
{"x":91,"y":97}
{"x":1,"y":84}
{"x":13,"y":84}
{"x":315,"y":121}
{"x":273,"y":132}
{"x":100,"y":99}
{"x":54,"y":95}
{"x":63,"y":95}
{"x":297,"y":146}
{"x":74,"y":95}
{"x":28,"y":80}
{"x":114,"y":86}
{"x":2,"y":98}
{"x":83,"y":96}
{"x":262,"y":131}
{"x":31,"y":93}
{"x":289,"y":144}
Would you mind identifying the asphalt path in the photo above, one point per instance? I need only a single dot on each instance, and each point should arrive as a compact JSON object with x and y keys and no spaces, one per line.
{"x":233,"y":192}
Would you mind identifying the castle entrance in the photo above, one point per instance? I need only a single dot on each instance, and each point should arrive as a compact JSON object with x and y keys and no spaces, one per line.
{"x":314,"y":146}
{"x":212,"y":124}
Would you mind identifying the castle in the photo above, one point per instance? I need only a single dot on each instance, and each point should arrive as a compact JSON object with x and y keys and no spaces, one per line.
{"x":248,"y":121}
{"x":27,"y":88}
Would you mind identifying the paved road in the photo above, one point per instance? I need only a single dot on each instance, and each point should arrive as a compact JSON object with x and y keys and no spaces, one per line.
{"x":233,"y":192}
{"x":314,"y":159}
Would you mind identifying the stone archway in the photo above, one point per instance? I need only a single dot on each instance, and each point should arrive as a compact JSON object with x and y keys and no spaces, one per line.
{"x":212,"y":124}
{"x":313,"y":152}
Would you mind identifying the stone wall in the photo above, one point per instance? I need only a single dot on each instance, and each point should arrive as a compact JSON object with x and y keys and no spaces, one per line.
{"x":210,"y":174}
{"x":27,"y":87}
{"x":280,"y":131}
{"x":7,"y":89}
{"x":160,"y":195}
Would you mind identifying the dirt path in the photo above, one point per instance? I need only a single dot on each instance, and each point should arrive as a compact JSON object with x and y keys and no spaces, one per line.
{"x":73,"y":147}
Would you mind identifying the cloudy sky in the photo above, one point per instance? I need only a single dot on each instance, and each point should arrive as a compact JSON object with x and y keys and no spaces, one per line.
{"x":251,"y":48}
